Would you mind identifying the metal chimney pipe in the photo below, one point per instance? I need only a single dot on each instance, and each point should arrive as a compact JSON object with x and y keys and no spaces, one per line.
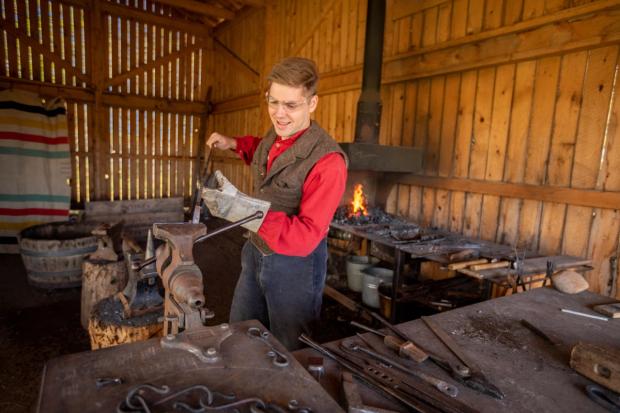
{"x":369,"y":105}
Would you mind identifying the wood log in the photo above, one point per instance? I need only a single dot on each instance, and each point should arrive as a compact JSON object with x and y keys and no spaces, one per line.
{"x":610,"y":310}
{"x":465,"y":264}
{"x":599,"y":364}
{"x":100,"y":279}
{"x":489,"y":266}
{"x":107,"y":328}
{"x":471,"y":273}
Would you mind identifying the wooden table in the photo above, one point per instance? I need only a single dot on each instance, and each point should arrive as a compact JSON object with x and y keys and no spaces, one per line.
{"x":534,"y":375}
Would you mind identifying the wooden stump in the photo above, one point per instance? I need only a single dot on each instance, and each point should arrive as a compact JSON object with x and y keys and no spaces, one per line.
{"x":100,"y":279}
{"x":107,"y":328}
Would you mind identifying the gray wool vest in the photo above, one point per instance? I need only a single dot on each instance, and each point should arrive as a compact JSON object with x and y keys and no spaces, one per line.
{"x":282,"y":185}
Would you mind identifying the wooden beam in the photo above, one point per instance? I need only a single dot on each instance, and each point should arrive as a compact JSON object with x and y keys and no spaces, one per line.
{"x":85,"y":4}
{"x":524,"y":26}
{"x":524,"y":43}
{"x":149,"y":103}
{"x":71,"y":93}
{"x":571,"y":196}
{"x":403,"y":8}
{"x":401,"y":72}
{"x":341,"y":80}
{"x":144,"y":16}
{"x":200,"y":8}
{"x":238,"y":103}
{"x":253,"y":3}
{"x":120,"y":78}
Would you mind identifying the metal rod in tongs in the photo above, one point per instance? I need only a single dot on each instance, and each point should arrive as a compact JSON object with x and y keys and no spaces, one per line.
{"x":366,"y":328}
{"x":256,"y":215}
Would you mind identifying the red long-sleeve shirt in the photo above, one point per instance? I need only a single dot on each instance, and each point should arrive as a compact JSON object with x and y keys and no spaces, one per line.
{"x":321,"y":193}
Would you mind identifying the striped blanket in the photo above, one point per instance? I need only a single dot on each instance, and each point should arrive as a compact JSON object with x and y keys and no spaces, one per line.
{"x":34,"y":162}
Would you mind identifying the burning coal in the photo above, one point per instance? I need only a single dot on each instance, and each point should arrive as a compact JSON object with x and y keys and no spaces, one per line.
{"x":374,"y":215}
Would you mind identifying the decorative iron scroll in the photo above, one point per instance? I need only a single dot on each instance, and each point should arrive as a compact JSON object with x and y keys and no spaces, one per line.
{"x":143,"y":399}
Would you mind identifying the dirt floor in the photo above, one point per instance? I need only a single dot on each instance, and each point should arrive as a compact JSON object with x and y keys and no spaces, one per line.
{"x":38,"y":325}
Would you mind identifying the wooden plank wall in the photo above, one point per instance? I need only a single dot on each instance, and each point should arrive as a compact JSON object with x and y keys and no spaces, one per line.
{"x":135,"y":84}
{"x":514,"y":103}
{"x":239,"y":50}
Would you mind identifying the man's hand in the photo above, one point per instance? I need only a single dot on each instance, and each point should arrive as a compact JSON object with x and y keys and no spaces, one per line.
{"x":219,"y":141}
{"x":227,"y":202}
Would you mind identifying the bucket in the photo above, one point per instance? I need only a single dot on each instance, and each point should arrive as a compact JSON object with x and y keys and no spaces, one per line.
{"x":373,"y":277}
{"x":53,"y":253}
{"x":355,"y":265}
{"x":385,"y":299}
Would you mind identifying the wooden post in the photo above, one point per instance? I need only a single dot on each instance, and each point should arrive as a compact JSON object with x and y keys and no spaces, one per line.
{"x":100,"y":279}
{"x":96,"y":44}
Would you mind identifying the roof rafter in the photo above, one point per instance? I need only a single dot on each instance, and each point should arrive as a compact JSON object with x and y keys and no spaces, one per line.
{"x":200,"y":8}
{"x":253,"y":3}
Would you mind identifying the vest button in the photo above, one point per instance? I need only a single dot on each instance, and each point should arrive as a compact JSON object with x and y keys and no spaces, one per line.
{"x":262,"y":190}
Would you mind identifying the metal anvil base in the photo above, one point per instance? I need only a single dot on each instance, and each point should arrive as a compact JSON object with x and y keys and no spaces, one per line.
{"x":244,"y":368}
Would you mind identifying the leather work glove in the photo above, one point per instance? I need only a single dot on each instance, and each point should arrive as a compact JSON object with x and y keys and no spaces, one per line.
{"x":227,"y":202}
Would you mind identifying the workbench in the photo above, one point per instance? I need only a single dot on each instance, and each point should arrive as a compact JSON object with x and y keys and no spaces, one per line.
{"x":441,"y":245}
{"x":533,"y":374}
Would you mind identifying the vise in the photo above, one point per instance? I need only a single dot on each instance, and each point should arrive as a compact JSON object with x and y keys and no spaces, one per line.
{"x":182,"y":279}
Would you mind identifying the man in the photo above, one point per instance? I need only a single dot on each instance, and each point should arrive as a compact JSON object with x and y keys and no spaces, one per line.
{"x":301,"y":171}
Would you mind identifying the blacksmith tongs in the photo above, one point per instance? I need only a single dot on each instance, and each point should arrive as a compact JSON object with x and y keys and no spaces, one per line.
{"x":475,"y":379}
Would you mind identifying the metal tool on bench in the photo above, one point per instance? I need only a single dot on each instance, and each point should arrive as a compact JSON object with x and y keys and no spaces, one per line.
{"x":405,"y":349}
{"x":604,"y":397}
{"x":476,"y":379}
{"x":444,"y":387}
{"x":457,"y":371}
{"x":416,"y":395}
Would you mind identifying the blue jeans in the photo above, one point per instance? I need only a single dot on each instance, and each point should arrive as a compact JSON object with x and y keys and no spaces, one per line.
{"x":282,"y":292}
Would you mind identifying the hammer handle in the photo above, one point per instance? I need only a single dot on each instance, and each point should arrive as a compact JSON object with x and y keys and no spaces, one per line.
{"x":405,"y":349}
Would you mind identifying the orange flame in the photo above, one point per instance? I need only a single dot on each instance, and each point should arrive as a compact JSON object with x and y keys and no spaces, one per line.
{"x":359,"y":205}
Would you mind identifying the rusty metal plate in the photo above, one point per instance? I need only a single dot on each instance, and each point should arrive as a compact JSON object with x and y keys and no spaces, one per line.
{"x":242,"y":366}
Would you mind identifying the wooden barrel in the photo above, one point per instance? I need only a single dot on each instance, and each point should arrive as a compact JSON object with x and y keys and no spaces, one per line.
{"x":53,"y":253}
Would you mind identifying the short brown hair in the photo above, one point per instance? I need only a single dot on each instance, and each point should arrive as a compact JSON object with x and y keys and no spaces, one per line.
{"x":296,"y":72}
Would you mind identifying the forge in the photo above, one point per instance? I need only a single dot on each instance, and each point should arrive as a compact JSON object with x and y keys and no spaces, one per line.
{"x":377,"y":167}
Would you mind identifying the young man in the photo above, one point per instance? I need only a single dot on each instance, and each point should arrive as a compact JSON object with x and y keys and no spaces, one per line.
{"x":301,"y":171}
